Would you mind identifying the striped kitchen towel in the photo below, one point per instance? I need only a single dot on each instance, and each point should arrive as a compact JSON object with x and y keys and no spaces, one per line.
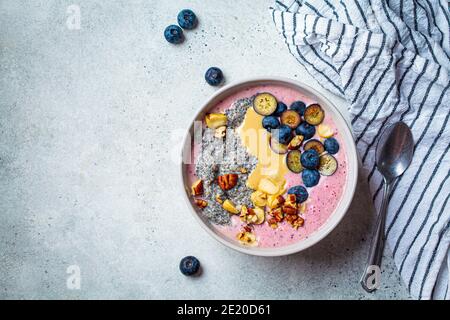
{"x":390,"y":61}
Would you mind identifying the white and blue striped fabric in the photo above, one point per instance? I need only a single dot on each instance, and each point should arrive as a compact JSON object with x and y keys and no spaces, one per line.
{"x":390,"y":61}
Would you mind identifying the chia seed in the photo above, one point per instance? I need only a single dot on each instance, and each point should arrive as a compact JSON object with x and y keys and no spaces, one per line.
{"x":222,"y":156}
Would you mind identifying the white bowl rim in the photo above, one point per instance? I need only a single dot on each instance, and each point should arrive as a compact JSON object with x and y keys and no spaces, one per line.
{"x":345,"y":201}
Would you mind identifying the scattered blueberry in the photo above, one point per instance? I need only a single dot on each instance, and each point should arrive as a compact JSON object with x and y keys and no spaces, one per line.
{"x":300,"y":192}
{"x":283,"y":134}
{"x":331,"y":145}
{"x":281,"y":107}
{"x":310,"y":159}
{"x":270,"y":122}
{"x":189,"y":265}
{"x":298,"y":106}
{"x":214,"y":76}
{"x":310,"y":177}
{"x":306,"y":130}
{"x":174,"y":34}
{"x":187,"y":19}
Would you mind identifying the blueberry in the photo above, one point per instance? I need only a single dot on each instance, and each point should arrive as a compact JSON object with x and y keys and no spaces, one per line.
{"x":174,"y":34}
{"x":214,"y":76}
{"x":331,"y":145}
{"x":300,"y":192}
{"x":187,"y":19}
{"x":281,"y":107}
{"x":306,"y":130}
{"x":298,"y":106}
{"x":310,"y":159}
{"x":189,"y":265}
{"x":270,"y":122}
{"x":310,"y":177}
{"x":283,"y":134}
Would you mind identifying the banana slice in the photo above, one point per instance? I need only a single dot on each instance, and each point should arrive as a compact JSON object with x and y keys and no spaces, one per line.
{"x":282,"y":191}
{"x":265,"y":104}
{"x":215,"y":120}
{"x":325,"y":131}
{"x":268,"y":186}
{"x":327,"y":165}
{"x":260,"y":213}
{"x":258,"y":198}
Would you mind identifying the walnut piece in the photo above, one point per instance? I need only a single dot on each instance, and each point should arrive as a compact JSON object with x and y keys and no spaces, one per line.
{"x":227,"y":181}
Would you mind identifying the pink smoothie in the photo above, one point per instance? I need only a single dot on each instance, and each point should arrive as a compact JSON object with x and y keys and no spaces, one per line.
{"x":323,"y":198}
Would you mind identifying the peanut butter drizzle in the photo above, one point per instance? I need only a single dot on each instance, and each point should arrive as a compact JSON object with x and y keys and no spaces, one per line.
{"x":256,"y":139}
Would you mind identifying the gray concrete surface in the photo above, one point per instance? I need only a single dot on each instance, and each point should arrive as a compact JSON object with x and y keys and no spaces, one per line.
{"x":87,"y":119}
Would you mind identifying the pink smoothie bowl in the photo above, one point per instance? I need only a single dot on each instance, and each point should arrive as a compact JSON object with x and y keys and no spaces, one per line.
{"x":350,"y":181}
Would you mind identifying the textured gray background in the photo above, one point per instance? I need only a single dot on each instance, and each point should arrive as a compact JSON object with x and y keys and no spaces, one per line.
{"x":87,"y":119}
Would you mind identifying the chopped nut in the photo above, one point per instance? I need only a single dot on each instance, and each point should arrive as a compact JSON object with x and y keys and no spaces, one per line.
{"x":291,"y":218}
{"x":246,"y":238}
{"x":201,"y":203}
{"x":227,"y":181}
{"x":296,"y":142}
{"x":277,"y":214}
{"x":275,"y":201}
{"x":220,"y":132}
{"x":252,"y":215}
{"x":248,"y":215}
{"x":219,"y":199}
{"x":302,"y":207}
{"x":291,"y":198}
{"x":299,"y":222}
{"x":272,"y":223}
{"x":243,"y":170}
{"x":289,"y":204}
{"x":197,"y":188}
{"x":289,"y":210}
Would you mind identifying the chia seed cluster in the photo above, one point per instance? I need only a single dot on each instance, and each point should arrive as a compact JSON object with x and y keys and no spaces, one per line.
{"x":223,"y":156}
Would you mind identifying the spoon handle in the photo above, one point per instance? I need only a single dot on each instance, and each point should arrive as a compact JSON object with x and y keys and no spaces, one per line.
{"x":377,"y":245}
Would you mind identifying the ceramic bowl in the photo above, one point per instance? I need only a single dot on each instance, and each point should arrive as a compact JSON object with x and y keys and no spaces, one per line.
{"x":350,"y":184}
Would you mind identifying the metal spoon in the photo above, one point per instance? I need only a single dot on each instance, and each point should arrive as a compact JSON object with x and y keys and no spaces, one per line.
{"x":393,"y":156}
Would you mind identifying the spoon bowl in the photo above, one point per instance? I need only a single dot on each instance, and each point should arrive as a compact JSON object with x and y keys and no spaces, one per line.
{"x":394,"y":151}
